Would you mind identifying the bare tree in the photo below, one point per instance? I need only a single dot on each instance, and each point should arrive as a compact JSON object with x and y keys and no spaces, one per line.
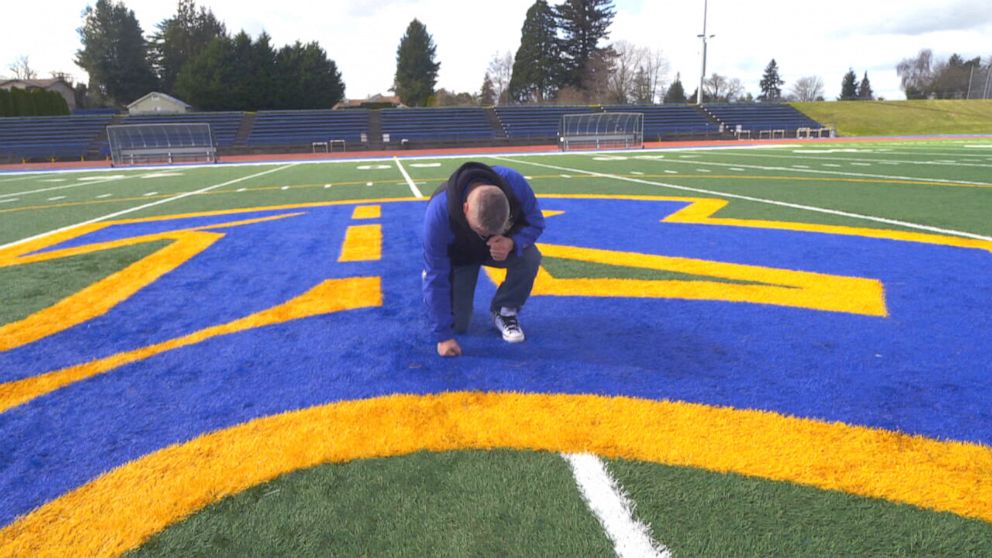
{"x":807,"y":88}
{"x":721,"y":89}
{"x":916,"y":74}
{"x":500,"y":71}
{"x":626,"y":61}
{"x":22,"y":68}
{"x":655,"y":67}
{"x":637,"y":74}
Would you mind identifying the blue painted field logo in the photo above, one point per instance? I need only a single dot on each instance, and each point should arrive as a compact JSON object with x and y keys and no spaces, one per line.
{"x":274,"y":339}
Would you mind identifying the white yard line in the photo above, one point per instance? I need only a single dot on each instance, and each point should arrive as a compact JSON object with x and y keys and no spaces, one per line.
{"x":147,"y":205}
{"x":837,"y":173}
{"x":409,"y":181}
{"x":861,"y":160}
{"x":63,"y":187}
{"x":612,"y":508}
{"x":906,"y":224}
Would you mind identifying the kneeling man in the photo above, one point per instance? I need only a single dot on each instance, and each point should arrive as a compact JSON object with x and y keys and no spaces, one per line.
{"x":481,"y":216}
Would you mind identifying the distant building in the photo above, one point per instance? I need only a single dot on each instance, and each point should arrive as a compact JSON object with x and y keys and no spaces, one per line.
{"x":158,"y":103}
{"x":374,"y":101}
{"x":59,"y":85}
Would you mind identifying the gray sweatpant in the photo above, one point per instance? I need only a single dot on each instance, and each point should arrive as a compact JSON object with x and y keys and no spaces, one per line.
{"x":512,"y":293}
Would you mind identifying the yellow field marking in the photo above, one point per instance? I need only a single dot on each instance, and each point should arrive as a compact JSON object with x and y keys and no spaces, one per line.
{"x":120,"y":510}
{"x":700,"y":211}
{"x":362,"y":243}
{"x":781,"y":287}
{"x":100,"y":297}
{"x":551,"y":212}
{"x":367,"y":212}
{"x":332,"y":295}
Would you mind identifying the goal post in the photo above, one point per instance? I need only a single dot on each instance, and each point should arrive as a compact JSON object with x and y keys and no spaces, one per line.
{"x":181,"y":142}
{"x":601,"y":130}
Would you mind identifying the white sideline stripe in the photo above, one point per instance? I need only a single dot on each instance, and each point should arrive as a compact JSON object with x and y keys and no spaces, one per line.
{"x":8,"y":200}
{"x":906,"y":224}
{"x":612,"y":508}
{"x":64,"y":186}
{"x":147,"y":205}
{"x":409,"y":181}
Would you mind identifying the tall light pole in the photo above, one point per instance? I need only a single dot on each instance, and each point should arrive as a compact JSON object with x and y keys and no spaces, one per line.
{"x":704,"y":37}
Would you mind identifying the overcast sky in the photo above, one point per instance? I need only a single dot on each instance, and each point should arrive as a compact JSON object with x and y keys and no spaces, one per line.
{"x":806,"y":38}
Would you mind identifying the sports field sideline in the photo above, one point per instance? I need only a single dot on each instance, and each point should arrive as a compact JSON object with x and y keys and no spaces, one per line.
{"x":776,"y":350}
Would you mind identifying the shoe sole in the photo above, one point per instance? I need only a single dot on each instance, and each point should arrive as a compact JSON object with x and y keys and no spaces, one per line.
{"x":509,"y":339}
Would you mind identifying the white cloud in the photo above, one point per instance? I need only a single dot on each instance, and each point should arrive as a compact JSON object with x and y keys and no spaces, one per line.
{"x":805,"y":38}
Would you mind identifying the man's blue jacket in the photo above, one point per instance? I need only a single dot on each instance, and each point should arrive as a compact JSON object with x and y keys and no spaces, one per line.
{"x":439,"y":236}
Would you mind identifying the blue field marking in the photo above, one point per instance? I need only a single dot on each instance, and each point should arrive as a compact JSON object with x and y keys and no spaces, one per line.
{"x":922,"y":370}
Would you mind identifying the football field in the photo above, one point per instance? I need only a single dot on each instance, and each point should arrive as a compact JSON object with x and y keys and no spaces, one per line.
{"x":757,"y":350}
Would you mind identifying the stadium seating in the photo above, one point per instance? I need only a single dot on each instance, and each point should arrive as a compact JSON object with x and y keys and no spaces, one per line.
{"x":761,"y":117}
{"x":298,"y":127}
{"x":440,"y":124}
{"x":532,"y":122}
{"x":45,"y":137}
{"x":667,"y":121}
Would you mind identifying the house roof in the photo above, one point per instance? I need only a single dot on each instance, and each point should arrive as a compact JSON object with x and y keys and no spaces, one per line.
{"x":161,"y":96}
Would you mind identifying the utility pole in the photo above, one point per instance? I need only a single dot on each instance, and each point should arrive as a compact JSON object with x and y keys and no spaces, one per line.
{"x":704,"y":37}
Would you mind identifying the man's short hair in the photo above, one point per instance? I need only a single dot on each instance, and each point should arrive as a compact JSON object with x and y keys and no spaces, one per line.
{"x":490,"y":207}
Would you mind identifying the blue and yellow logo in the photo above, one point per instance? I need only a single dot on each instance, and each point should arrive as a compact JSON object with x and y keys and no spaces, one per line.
{"x":252,"y":343}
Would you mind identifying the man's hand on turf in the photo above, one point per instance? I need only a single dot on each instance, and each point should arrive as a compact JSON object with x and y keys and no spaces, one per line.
{"x":500,"y":247}
{"x":449,"y":348}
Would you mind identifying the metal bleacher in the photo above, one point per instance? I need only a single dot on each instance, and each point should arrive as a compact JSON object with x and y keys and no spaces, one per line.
{"x":536,"y":122}
{"x":760,"y":118}
{"x":303,"y":127}
{"x":49,"y":137}
{"x":670,"y":121}
{"x":436,"y":124}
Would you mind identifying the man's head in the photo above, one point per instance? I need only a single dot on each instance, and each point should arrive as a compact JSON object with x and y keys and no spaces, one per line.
{"x":487,"y":210}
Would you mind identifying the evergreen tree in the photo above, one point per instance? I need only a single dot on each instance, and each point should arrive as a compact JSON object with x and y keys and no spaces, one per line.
{"x":849,"y":87}
{"x":583,"y":23}
{"x":487,"y":96}
{"x":536,"y":66}
{"x":307,"y":79}
{"x":416,"y":70}
{"x":206,"y":80}
{"x":180,"y":37}
{"x":771,"y":84}
{"x":115,"y":53}
{"x":676,"y":93}
{"x":864,"y":89}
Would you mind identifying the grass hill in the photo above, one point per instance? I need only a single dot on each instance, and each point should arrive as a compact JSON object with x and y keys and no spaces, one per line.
{"x":886,"y":118}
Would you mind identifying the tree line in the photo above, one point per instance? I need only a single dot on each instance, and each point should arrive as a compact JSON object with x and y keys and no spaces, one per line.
{"x":563,"y":58}
{"x":192,"y":56}
{"x":926,"y":77}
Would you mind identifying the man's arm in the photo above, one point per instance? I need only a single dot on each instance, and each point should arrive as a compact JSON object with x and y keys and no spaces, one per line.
{"x":437,"y":270}
{"x":529,"y":234}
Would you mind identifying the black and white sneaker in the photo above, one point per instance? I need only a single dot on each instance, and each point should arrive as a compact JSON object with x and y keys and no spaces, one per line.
{"x":509,"y":327}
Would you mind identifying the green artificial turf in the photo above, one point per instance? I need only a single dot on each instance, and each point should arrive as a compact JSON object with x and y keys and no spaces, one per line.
{"x":561,"y":268}
{"x":505,"y":503}
{"x":471,"y":503}
{"x":32,"y":287}
{"x":699,"y":513}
